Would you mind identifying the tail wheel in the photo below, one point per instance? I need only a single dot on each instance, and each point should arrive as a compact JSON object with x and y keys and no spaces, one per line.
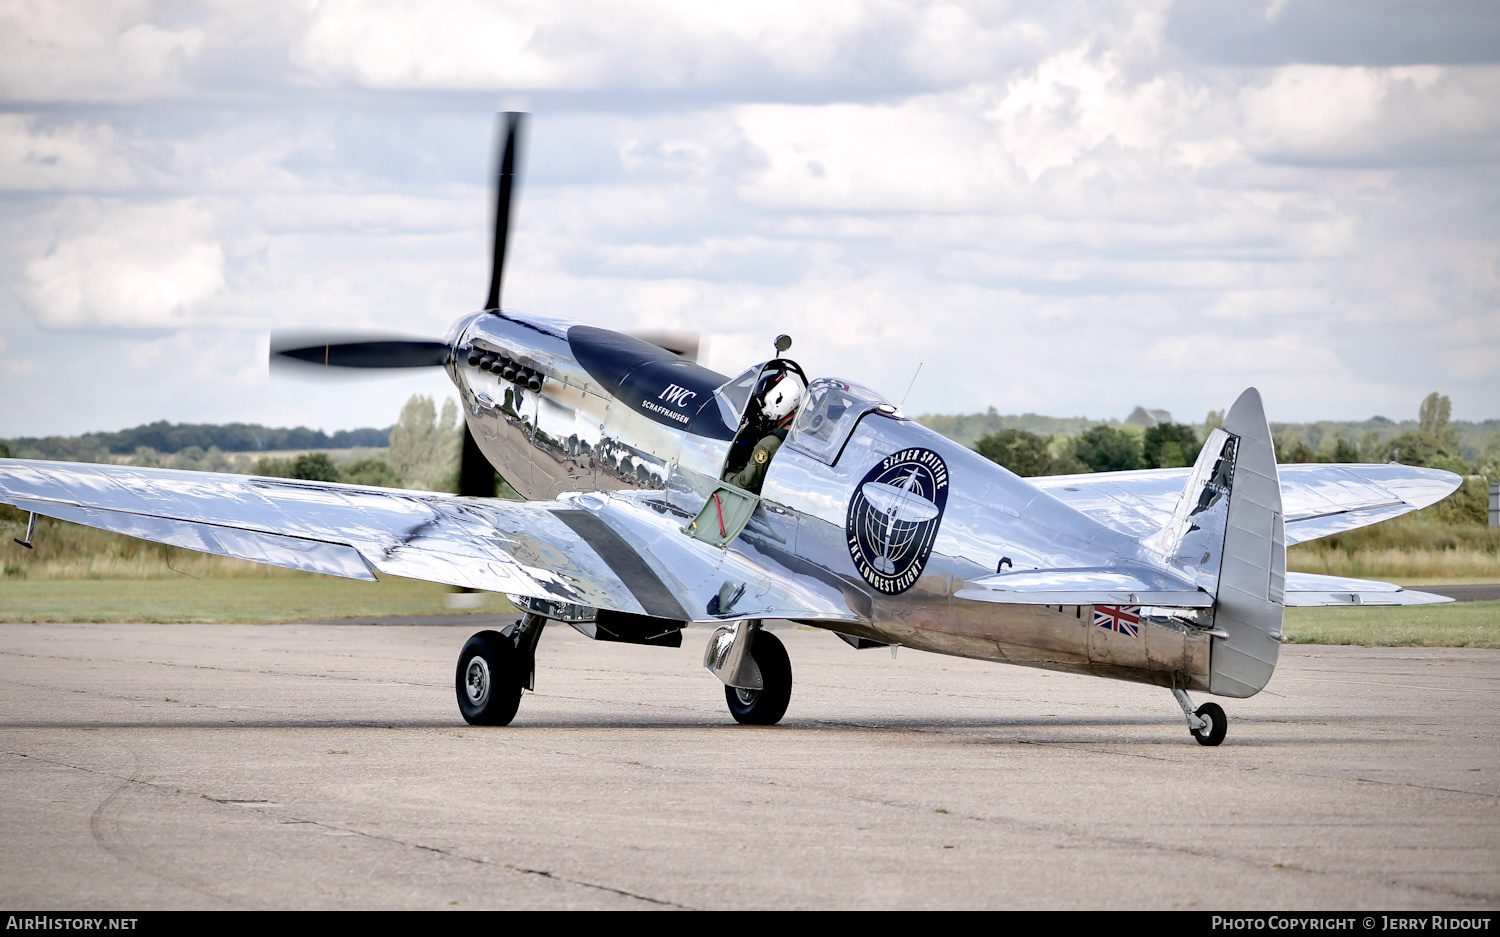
{"x":766,"y":706}
{"x":487,"y":681}
{"x":1216,"y":724}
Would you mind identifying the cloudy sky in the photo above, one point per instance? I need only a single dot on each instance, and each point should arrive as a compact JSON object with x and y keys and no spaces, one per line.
{"x":1067,"y":208}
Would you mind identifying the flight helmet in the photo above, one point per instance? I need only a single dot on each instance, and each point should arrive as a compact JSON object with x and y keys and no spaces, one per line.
{"x":782,"y":397}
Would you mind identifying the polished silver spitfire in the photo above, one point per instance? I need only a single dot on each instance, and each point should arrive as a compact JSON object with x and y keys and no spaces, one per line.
{"x":867,"y":524}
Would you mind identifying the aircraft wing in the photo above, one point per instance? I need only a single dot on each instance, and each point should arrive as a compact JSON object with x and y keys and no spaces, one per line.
{"x":620,"y":553}
{"x":1318,"y":499}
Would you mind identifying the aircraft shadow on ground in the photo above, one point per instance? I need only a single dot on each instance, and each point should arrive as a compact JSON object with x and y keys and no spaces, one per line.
{"x":1077,"y":729}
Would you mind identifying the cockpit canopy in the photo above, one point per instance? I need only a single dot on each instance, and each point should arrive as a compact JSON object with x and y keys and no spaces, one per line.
{"x":828,"y":415}
{"x":750,"y":385}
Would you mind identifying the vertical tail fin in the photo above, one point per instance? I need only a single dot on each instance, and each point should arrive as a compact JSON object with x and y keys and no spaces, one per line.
{"x":1228,"y":534}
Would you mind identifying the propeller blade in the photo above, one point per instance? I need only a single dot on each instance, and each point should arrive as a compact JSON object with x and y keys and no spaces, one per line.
{"x":350,"y":352}
{"x":476,"y":476}
{"x":511,"y":128}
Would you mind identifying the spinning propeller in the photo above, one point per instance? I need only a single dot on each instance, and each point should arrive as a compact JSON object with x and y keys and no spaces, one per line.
{"x":368,"y":351}
{"x":346,"y":351}
{"x":304,"y":351}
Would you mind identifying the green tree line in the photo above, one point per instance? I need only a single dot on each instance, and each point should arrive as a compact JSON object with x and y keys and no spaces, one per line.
{"x":1101,"y":448}
{"x":1434,"y":442}
{"x":171,"y":438}
{"x":425,"y":447}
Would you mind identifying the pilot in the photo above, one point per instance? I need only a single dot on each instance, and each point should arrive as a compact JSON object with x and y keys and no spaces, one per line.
{"x":779,"y":405}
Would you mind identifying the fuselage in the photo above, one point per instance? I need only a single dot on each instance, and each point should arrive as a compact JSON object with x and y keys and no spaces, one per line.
{"x":898,"y":517}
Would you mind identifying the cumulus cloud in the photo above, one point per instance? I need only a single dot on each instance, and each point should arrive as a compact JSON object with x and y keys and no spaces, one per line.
{"x":1058,"y":210}
{"x":131,"y":266}
{"x":57,"y":50}
{"x":570,"y":45}
{"x":1077,"y":100}
{"x":925,"y":154}
{"x":1335,"y":32}
{"x":661,"y":44}
{"x":68,"y":157}
{"x":1374,"y":115}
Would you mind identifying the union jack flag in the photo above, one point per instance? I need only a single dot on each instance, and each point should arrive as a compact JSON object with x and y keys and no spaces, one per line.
{"x":1126,"y":619}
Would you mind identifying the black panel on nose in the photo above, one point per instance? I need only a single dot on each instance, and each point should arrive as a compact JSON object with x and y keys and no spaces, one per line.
{"x":651,"y":381}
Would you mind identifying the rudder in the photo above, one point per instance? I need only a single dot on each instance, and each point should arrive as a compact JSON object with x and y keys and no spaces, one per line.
{"x":1252,"y":577}
{"x":1228,"y":534}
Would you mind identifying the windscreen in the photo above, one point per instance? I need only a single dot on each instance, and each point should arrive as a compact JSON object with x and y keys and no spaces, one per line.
{"x":736,"y":391}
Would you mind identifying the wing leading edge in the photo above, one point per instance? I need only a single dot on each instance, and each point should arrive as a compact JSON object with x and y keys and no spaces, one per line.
{"x":592,"y":551}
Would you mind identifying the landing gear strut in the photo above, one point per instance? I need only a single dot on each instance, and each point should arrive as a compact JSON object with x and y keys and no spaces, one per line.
{"x":1207,"y":723}
{"x":493,"y":668}
{"x":756,"y":671}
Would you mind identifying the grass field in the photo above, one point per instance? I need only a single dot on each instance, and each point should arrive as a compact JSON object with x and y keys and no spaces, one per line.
{"x":1407,"y":549}
{"x":1457,"y":624}
{"x":223,"y":600}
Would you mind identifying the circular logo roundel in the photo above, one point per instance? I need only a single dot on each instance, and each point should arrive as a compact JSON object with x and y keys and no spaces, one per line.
{"x":894,"y":516}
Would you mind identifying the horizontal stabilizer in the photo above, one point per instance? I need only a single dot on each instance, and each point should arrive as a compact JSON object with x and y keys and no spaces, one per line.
{"x":1112,"y":585}
{"x":1306,"y":590}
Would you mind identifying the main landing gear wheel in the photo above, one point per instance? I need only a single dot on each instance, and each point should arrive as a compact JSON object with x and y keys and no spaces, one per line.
{"x":1217,"y":724}
{"x":488,"y":681}
{"x":766,"y":706}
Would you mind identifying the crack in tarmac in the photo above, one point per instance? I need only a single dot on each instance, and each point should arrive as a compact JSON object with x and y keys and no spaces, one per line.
{"x":477,"y":860}
{"x":96,"y":823}
{"x":1060,"y":829}
{"x":118,"y":845}
{"x":981,"y":736}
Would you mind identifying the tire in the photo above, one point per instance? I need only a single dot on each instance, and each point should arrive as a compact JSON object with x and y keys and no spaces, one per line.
{"x":1218,"y":724}
{"x":764,"y":707}
{"x":486,"y":681}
